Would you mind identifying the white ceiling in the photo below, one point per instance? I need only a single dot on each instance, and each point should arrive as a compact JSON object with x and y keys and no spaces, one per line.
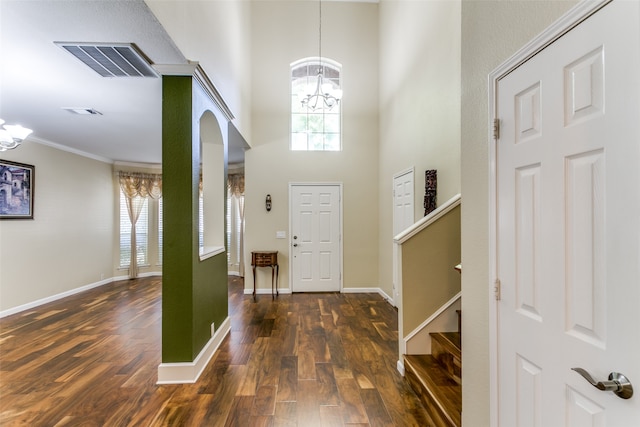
{"x":38,"y":79}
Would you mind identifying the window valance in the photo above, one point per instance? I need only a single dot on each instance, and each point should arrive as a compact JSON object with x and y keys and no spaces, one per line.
{"x":235,"y":183}
{"x":140,"y":184}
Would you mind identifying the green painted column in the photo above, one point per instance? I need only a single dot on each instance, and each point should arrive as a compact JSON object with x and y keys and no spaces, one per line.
{"x":194,"y":292}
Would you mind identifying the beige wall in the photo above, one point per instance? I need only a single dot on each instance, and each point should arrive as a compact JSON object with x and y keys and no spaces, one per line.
{"x":215,"y":34}
{"x":69,"y":242}
{"x":419,"y":106}
{"x":283,"y":32}
{"x":429,"y":279}
{"x":491,"y":32}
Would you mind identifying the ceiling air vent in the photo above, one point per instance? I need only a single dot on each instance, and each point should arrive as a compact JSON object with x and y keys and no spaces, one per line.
{"x":111,"y":60}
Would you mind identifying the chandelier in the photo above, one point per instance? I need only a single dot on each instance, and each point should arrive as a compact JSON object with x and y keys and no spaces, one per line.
{"x":12,"y":135}
{"x":320,"y":95}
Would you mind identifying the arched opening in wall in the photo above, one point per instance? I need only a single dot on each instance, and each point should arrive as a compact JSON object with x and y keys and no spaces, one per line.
{"x":212,"y":186}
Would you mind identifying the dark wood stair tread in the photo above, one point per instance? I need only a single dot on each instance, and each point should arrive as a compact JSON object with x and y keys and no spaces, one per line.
{"x":450,"y":340}
{"x":440,"y":394}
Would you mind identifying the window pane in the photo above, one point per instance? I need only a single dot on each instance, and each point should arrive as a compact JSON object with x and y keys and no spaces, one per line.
{"x":330,"y":73}
{"x":299,"y":123}
{"x":301,"y":71}
{"x":142,"y":227}
{"x":299,"y":141}
{"x":316,"y":122}
{"x":296,"y":104}
{"x":332,"y":142}
{"x":332,"y":123}
{"x":141,"y":233}
{"x":316,"y":141}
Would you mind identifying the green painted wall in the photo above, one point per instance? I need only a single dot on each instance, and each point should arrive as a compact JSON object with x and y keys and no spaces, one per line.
{"x":194,"y":292}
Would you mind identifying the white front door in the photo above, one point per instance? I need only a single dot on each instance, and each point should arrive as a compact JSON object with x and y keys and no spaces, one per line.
{"x":315,"y":237}
{"x":568,"y":226}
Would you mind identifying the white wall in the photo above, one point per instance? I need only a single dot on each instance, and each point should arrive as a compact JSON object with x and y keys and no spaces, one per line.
{"x":215,"y":34}
{"x":419,"y":106}
{"x":491,"y":32}
{"x":69,"y":242}
{"x":282,"y":32}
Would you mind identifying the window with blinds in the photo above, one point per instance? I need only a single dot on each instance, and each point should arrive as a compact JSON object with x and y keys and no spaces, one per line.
{"x":234,"y":226}
{"x":142,"y":234}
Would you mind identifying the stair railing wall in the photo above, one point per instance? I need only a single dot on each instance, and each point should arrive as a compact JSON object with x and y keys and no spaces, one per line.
{"x":426,"y":279}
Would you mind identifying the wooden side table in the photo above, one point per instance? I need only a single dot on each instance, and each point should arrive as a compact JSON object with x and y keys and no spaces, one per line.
{"x":265,"y":259}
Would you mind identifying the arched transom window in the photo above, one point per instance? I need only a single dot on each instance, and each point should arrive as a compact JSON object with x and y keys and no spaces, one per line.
{"x":315,"y":125}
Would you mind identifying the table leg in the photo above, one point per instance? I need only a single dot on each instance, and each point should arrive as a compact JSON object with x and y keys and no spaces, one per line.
{"x":277,"y":271}
{"x":272,"y":270}
{"x":254,"y":280}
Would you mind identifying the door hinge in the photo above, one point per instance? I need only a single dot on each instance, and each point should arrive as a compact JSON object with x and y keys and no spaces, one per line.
{"x":496,"y":129}
{"x":497,"y":288}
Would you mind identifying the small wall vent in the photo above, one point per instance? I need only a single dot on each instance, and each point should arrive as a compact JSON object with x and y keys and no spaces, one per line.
{"x":110,"y":59}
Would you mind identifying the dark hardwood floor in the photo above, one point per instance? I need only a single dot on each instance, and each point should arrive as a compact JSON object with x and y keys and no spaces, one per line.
{"x":299,"y":360}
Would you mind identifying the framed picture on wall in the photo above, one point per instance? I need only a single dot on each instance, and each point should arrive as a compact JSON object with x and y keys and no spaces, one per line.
{"x":16,"y":190}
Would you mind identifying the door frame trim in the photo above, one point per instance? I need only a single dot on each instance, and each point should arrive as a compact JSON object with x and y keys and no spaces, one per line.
{"x":559,"y":28}
{"x":340,"y":219}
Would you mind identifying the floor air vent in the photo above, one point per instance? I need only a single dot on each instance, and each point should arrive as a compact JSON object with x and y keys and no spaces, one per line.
{"x":111,"y":60}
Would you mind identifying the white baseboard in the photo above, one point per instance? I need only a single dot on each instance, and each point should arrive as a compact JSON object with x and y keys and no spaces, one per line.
{"x":264,"y":291}
{"x":53,"y":298}
{"x":379,"y":291}
{"x":400,"y":367}
{"x":189,"y":372}
{"x":148,"y":274}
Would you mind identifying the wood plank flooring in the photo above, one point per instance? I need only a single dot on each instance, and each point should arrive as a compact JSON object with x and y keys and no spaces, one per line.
{"x":299,"y":360}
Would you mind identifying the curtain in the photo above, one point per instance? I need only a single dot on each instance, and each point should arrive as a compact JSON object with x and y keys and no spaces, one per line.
{"x":235,"y":184}
{"x":136,"y":187}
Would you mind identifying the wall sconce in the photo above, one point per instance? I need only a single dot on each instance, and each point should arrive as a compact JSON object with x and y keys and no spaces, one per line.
{"x":267,"y":203}
{"x":11,"y":136}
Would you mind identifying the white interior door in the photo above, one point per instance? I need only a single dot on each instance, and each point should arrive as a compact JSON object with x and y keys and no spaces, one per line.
{"x":568,"y":226}
{"x":403,"y":216}
{"x":403,"y":191}
{"x":315,"y":238}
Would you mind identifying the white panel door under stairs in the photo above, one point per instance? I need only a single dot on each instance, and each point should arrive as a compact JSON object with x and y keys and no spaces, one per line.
{"x":568,"y":226}
{"x":403,"y":213}
{"x":315,"y":237}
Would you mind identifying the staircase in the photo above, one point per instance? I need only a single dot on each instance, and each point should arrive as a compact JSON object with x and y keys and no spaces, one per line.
{"x":436,"y":377}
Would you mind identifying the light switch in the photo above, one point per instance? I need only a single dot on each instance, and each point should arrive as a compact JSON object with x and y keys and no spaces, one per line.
{"x":281,"y":234}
